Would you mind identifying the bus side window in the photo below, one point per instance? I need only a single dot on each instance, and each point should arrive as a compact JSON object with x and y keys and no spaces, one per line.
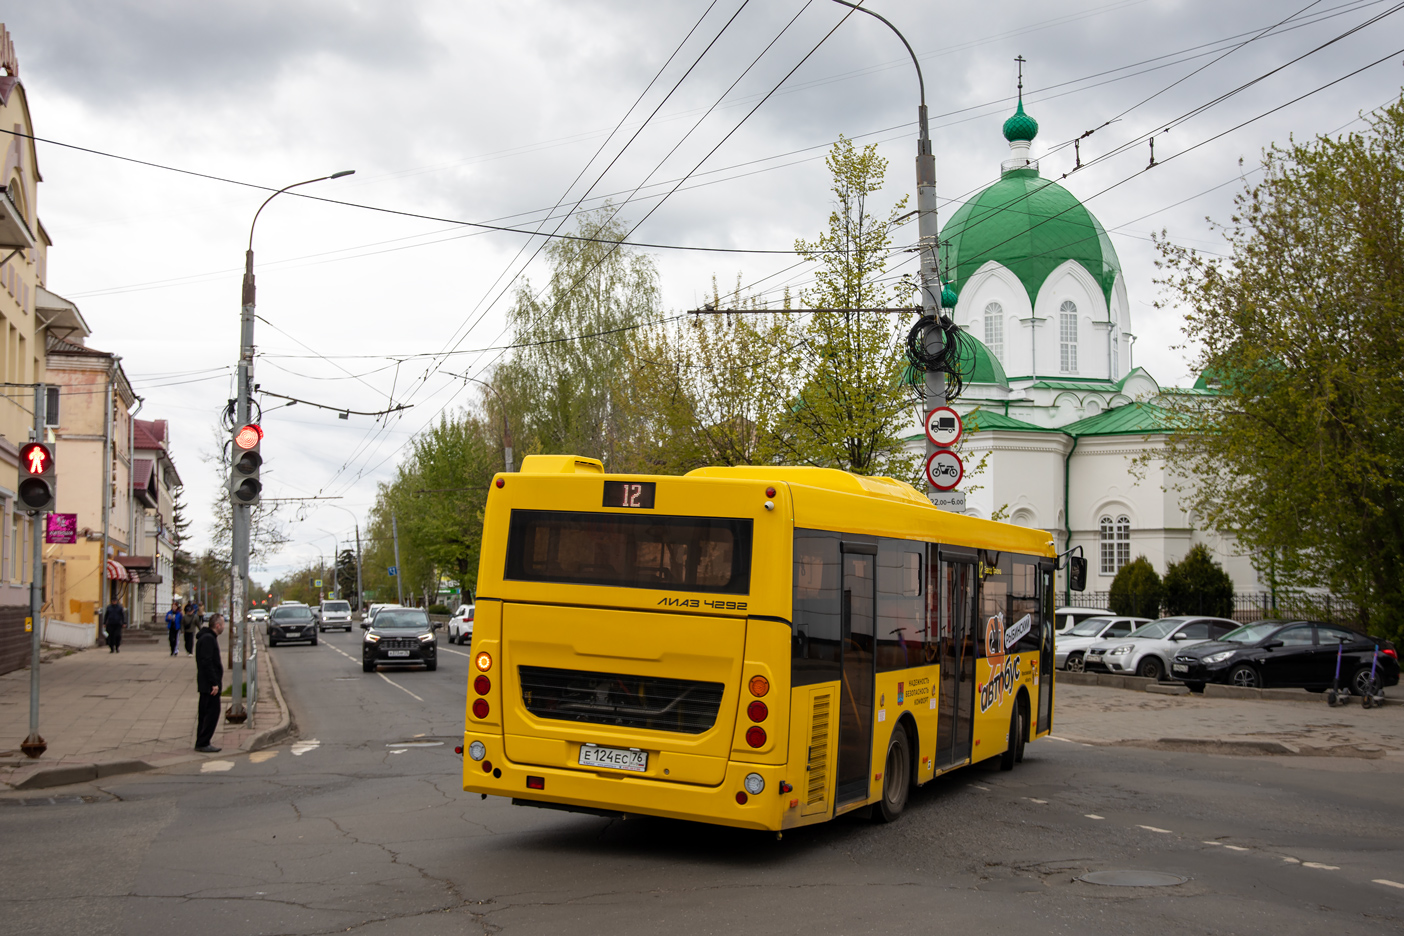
{"x":1025,"y":600}
{"x":995,"y":569}
{"x":818,"y":620}
{"x":901,"y":611}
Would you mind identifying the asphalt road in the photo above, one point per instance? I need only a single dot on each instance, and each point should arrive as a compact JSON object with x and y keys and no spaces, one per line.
{"x":361,"y":826}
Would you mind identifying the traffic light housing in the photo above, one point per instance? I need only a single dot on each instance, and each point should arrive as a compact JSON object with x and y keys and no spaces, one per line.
{"x":245,"y":487}
{"x":38,"y":487}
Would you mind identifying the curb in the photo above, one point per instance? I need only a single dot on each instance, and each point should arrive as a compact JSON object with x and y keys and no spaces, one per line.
{"x":65,"y":774}
{"x":1211,"y":691}
{"x":271,"y":736}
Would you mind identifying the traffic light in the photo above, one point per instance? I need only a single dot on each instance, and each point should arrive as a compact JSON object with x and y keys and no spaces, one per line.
{"x":244,"y":485}
{"x":37,"y":480}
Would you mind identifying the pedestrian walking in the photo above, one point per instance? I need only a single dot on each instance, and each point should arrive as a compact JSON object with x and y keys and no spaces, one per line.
{"x":114,"y":619}
{"x":190,"y":623}
{"x":173,"y":622}
{"x":209,"y":680}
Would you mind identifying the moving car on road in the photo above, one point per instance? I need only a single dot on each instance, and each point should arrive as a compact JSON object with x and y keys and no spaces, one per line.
{"x":1293,"y":654}
{"x":1072,"y":645}
{"x":399,"y":636}
{"x":1147,"y":652}
{"x":460,"y":626}
{"x":258,"y":615}
{"x":335,"y":614}
{"x":291,"y":622}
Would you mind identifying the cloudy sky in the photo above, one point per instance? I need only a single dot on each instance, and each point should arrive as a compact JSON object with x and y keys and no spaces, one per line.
{"x":477,"y":112}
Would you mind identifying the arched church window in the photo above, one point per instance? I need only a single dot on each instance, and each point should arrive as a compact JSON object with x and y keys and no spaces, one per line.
{"x":1116,"y":543}
{"x":1116,"y":362}
{"x":994,"y":329}
{"x":1067,"y":336}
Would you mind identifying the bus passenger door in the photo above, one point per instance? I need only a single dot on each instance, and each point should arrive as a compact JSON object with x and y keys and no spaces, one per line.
{"x":956,"y":655}
{"x":856,"y":690}
{"x":1045,"y":655}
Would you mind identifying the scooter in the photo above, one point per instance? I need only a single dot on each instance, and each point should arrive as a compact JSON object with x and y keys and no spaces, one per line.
{"x":1336,"y":695}
{"x":1375,"y":697}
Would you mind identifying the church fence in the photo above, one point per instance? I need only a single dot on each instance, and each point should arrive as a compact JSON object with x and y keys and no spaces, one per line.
{"x":1247,"y":606}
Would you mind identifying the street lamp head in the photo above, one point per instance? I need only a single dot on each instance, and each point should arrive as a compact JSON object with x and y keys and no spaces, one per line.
{"x":344,"y":172}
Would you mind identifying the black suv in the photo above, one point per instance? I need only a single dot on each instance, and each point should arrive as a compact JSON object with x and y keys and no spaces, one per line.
{"x":291,"y":622}
{"x":400,"y":636}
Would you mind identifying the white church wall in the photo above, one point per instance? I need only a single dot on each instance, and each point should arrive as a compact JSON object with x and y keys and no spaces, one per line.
{"x":1121,"y":328}
{"x":1070,"y":282}
{"x":994,"y":282}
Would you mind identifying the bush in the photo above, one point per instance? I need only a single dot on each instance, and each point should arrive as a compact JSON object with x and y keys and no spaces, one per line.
{"x":1136,"y":590}
{"x":1198,"y":585}
{"x":439,"y":609}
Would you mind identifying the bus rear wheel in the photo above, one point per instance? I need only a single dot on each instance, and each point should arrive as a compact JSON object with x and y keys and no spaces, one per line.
{"x":1016,"y":735}
{"x":896,"y":777}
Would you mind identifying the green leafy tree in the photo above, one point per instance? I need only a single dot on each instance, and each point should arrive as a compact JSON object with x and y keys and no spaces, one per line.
{"x":346,"y":577}
{"x":1136,"y":590}
{"x":1301,"y":332}
{"x":565,"y":390}
{"x":846,"y":404}
{"x":1198,"y":585}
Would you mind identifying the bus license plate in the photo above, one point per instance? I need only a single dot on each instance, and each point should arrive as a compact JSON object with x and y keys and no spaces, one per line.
{"x":592,"y":755}
{"x":403,"y":653}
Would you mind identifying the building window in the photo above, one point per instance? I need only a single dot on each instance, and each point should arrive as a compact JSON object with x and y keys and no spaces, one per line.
{"x":994,"y":329}
{"x":51,"y":406}
{"x":1116,"y":543}
{"x":1067,"y":336}
{"x":1116,"y":362}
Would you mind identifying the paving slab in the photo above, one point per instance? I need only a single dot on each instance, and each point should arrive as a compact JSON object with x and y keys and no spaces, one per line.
{"x":105,"y":713}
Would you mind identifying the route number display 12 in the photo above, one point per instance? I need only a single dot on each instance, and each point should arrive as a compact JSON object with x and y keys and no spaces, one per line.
{"x":629,"y":494}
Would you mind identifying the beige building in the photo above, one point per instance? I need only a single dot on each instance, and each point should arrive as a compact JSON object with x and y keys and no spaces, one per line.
{"x":154,"y":485}
{"x":23,"y":251}
{"x":92,"y":434}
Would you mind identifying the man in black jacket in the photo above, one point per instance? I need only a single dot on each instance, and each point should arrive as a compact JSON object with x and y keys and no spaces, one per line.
{"x":209,"y":679}
{"x":114,"y":618}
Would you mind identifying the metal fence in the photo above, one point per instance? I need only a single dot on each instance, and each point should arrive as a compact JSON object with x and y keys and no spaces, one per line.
{"x":1247,"y":606}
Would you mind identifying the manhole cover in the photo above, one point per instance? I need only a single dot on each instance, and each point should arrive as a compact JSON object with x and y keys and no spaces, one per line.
{"x":1133,"y":878}
{"x":417,"y":744}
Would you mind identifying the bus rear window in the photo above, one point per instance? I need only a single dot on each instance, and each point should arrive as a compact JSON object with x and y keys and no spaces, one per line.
{"x":705,"y":554}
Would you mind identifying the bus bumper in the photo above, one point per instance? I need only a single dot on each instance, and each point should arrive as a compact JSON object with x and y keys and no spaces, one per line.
{"x":619,"y":791}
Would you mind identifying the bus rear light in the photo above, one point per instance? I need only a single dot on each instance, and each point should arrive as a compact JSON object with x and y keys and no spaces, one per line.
{"x":741,"y":797}
{"x":755,"y":736}
{"x":477,"y":750}
{"x":481,"y":685}
{"x":487,"y":766}
{"x":500,"y":482}
{"x":480,"y":708}
{"x":755,"y":784}
{"x":770,"y":492}
{"x":536,"y":783}
{"x":785,"y":787}
{"x":484,"y":661}
{"x":757,"y":711}
{"x":759,"y":685}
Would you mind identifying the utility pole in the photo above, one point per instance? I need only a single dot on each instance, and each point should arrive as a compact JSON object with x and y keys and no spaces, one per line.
{"x":360,"y":595}
{"x":399,"y":573}
{"x":33,"y":745}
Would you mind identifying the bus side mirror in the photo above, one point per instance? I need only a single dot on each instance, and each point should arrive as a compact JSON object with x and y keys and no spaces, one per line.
{"x":1077,"y":573}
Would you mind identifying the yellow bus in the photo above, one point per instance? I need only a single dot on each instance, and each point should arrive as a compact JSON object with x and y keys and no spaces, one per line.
{"x":756,"y":647}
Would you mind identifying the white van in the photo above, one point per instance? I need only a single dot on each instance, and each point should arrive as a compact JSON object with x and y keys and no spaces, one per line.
{"x":335,"y":614}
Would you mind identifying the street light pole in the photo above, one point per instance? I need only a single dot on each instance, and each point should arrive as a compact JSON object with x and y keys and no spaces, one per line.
{"x":399,"y":572}
{"x":242,"y":518}
{"x":927,"y":235}
{"x":506,"y":432}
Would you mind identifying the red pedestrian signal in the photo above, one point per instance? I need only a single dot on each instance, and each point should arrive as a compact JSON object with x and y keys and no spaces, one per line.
{"x":37,"y":481}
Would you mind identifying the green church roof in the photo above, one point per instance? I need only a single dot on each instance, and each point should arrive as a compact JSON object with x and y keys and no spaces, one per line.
{"x":987,"y":369}
{"x":1031,"y":226}
{"x":980,"y":420}
{"x":1128,"y":419}
{"x":1021,"y":126}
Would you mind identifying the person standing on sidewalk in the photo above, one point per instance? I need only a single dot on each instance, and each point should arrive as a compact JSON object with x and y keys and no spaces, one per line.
{"x":190,"y":622}
{"x":209,"y":680}
{"x":173,"y":623}
{"x":114,"y":618}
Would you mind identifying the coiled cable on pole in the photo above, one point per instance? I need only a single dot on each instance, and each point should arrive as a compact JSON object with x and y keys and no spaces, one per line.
{"x":955,"y":358}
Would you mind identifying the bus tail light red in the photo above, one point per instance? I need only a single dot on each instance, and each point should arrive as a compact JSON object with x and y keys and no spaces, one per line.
{"x":755,"y":736}
{"x":481,"y":685}
{"x":757,"y":711}
{"x":480,"y":708}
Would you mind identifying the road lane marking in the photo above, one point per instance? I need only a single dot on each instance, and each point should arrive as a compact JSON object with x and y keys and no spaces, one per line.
{"x":259,"y":757}
{"x":1387,"y":883}
{"x":1237,"y":848}
{"x":1291,"y":860}
{"x":340,"y":651}
{"x":1151,"y":828}
{"x":216,"y":766}
{"x":1041,"y":802}
{"x":300,"y":748}
{"x":399,"y":687}
{"x":1319,"y":866}
{"x":456,"y":652}
{"x":1092,"y":816}
{"x":978,"y":787}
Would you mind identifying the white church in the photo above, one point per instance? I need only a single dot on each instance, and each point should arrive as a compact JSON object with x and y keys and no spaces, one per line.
{"x":1055,"y":399}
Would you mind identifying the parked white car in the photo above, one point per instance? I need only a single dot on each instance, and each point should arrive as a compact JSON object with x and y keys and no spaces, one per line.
{"x":1070,"y":647}
{"x":1149,"y":650}
{"x":460,"y":626}
{"x":1067,"y":618}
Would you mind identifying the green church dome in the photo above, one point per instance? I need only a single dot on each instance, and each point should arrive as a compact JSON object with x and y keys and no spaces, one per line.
{"x":987,"y":369}
{"x":1021,"y":126}
{"x":1031,"y":226}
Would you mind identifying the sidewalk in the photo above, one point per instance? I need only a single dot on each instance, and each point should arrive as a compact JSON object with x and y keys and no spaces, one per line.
{"x":103,"y":713}
{"x":1103,"y":715}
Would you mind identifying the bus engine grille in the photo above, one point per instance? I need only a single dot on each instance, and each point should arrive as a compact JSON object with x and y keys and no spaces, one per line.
{"x":628,"y":701}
